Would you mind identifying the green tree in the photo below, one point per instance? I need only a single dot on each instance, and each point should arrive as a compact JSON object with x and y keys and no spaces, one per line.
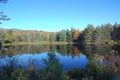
{"x":8,"y":37}
{"x":69,"y":36}
{"x":2,"y":37}
{"x":53,"y":68}
{"x":116,"y":32}
{"x":61,"y":36}
{"x":97,"y":35}
{"x":102,"y":34}
{"x":88,"y":34}
{"x":107,"y":32}
{"x":52,"y":36}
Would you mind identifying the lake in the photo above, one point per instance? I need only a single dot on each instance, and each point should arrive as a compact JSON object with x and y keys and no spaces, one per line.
{"x":90,"y":59}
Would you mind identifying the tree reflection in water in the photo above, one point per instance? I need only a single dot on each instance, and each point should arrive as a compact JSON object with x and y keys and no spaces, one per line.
{"x":53,"y":69}
{"x":104,"y":62}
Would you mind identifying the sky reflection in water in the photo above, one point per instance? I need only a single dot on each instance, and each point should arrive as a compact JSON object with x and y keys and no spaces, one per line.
{"x":25,"y":60}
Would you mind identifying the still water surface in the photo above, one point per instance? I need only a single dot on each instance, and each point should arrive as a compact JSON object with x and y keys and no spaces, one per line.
{"x":70,"y":59}
{"x":69,"y":56}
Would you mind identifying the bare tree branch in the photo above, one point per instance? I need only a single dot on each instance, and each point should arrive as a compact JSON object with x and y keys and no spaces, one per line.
{"x":4,"y":1}
{"x":2,"y":15}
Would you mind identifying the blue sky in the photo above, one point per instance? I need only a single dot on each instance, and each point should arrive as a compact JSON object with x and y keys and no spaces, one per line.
{"x":55,"y":15}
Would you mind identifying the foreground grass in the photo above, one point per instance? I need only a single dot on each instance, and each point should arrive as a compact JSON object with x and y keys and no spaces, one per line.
{"x":53,"y":71}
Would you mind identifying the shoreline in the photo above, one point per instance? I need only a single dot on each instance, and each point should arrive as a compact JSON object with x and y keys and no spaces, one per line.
{"x":37,"y":43}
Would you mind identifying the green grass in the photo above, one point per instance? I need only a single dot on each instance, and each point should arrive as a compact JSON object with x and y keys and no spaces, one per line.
{"x":41,"y":42}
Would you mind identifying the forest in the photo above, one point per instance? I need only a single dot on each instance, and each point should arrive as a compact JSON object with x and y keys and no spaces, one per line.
{"x":66,"y":45}
{"x":104,"y":34}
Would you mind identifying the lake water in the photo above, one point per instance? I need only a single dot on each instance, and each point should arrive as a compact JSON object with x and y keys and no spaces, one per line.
{"x":69,"y":56}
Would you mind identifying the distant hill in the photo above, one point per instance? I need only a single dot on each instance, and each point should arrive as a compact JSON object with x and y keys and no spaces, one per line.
{"x":13,"y":29}
{"x":19,"y":30}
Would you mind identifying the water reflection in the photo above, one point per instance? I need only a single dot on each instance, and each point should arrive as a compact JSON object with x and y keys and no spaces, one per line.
{"x":25,"y":60}
{"x":69,"y":62}
{"x":26,"y":49}
{"x":93,"y":61}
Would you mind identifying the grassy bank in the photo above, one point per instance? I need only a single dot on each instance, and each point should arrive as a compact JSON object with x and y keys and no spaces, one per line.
{"x":41,"y":42}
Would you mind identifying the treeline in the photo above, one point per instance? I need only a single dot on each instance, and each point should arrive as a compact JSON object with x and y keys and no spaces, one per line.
{"x":8,"y":36}
{"x":106,"y":33}
{"x":103,"y":34}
